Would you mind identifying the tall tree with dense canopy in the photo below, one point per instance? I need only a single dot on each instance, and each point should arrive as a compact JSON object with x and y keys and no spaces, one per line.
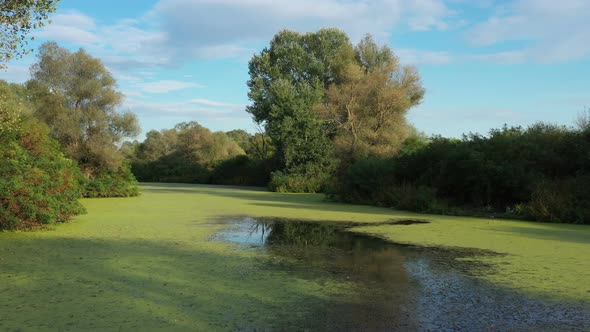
{"x":77,"y":97}
{"x":17,"y":19}
{"x":286,"y":80}
{"x":367,"y":110}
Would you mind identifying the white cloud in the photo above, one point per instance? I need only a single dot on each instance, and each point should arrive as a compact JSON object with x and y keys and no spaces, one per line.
{"x":221,"y":28}
{"x":208,"y":102}
{"x":417,"y":57}
{"x":202,"y":108}
{"x":73,"y":27}
{"x":175,"y":31}
{"x":508,"y":57}
{"x":164,"y":86}
{"x":551,"y":31}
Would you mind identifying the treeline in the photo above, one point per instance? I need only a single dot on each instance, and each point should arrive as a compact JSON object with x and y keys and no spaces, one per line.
{"x":538,"y":173}
{"x":191,"y":153}
{"x":59,"y":140}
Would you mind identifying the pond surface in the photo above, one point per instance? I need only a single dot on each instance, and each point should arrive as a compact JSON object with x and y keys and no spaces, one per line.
{"x":395,"y":287}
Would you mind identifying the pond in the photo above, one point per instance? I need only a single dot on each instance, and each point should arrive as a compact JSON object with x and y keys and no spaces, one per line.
{"x":394,"y":286}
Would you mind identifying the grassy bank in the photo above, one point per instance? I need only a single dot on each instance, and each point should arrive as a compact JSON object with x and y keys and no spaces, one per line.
{"x":147,"y":261}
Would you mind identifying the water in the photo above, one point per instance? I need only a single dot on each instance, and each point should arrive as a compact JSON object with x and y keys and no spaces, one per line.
{"x":398,"y":287}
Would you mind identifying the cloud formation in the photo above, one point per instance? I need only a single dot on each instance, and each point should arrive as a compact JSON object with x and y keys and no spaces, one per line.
{"x":549,"y":31}
{"x":164,"y":86}
{"x":214,"y":28}
{"x":175,"y":31}
{"x":197,"y":107}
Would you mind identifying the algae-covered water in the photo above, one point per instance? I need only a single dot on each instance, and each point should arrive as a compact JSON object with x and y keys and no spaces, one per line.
{"x":395,"y":287}
{"x":166,"y":261}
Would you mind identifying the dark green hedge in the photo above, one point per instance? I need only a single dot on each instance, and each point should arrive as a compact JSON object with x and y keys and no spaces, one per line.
{"x":539,"y":173}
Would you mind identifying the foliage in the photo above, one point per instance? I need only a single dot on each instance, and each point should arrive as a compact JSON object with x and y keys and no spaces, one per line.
{"x":242,"y":171}
{"x":240,"y":136}
{"x":187,"y":153}
{"x":539,"y":172}
{"x":286,"y":81}
{"x":113,"y":183}
{"x":10,"y":109}
{"x":37,"y":184}
{"x":326,"y":103}
{"x":366,"y":111}
{"x":77,"y":97}
{"x":309,"y":180}
{"x":17,"y":19}
{"x":561,"y":201}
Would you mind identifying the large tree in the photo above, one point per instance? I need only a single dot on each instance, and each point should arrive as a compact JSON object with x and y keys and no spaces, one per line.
{"x":17,"y":18}
{"x":78,"y":98}
{"x":286,"y":80}
{"x":366,"y":110}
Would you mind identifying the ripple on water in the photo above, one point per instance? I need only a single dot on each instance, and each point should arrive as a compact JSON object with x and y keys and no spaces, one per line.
{"x":399,"y":286}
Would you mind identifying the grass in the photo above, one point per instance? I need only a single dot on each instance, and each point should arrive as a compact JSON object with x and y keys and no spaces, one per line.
{"x":147,"y":261}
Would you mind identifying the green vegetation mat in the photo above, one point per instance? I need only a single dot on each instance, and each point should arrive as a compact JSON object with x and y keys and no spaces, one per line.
{"x":147,"y":261}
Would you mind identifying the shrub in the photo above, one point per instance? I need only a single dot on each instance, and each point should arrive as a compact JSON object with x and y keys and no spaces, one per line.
{"x":538,"y":173}
{"x":242,"y":171}
{"x":307,"y":182}
{"x":38,"y":185}
{"x":109,"y":183}
{"x":564,"y":201}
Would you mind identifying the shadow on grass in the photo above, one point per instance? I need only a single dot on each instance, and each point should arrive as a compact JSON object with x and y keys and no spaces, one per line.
{"x":81,"y":284}
{"x":559,"y":232}
{"x":264,"y":198}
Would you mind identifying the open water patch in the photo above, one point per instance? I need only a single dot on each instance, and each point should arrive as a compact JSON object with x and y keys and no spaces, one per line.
{"x":397,"y":287}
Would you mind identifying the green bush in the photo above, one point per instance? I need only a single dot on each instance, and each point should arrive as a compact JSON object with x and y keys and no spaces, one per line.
{"x":539,"y":173}
{"x":109,"y":183}
{"x":242,"y":171}
{"x":172,"y":168}
{"x":38,"y":185}
{"x":308,"y":182}
{"x":564,"y":201}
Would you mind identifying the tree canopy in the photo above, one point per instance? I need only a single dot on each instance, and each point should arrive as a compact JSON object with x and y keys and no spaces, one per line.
{"x":78,"y":98}
{"x":316,"y":94}
{"x":367,"y":109}
{"x":286,"y":80}
{"x":17,"y":19}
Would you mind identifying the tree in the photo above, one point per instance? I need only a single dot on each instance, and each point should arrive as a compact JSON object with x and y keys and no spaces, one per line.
{"x":199,"y":145}
{"x":77,"y":97}
{"x":186,"y":153}
{"x":240,"y":136}
{"x":366,"y":111}
{"x":157,"y":144}
{"x":10,"y":109}
{"x":286,"y":81}
{"x":17,"y":19}
{"x":260,"y":146}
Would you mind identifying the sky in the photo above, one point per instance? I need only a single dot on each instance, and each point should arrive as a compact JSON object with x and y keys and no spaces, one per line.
{"x":484,"y":63}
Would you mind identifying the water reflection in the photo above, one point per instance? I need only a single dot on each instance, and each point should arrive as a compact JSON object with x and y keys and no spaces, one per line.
{"x":395,"y":287}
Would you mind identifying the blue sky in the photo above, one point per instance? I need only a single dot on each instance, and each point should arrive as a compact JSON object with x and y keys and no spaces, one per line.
{"x":483,"y":62}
